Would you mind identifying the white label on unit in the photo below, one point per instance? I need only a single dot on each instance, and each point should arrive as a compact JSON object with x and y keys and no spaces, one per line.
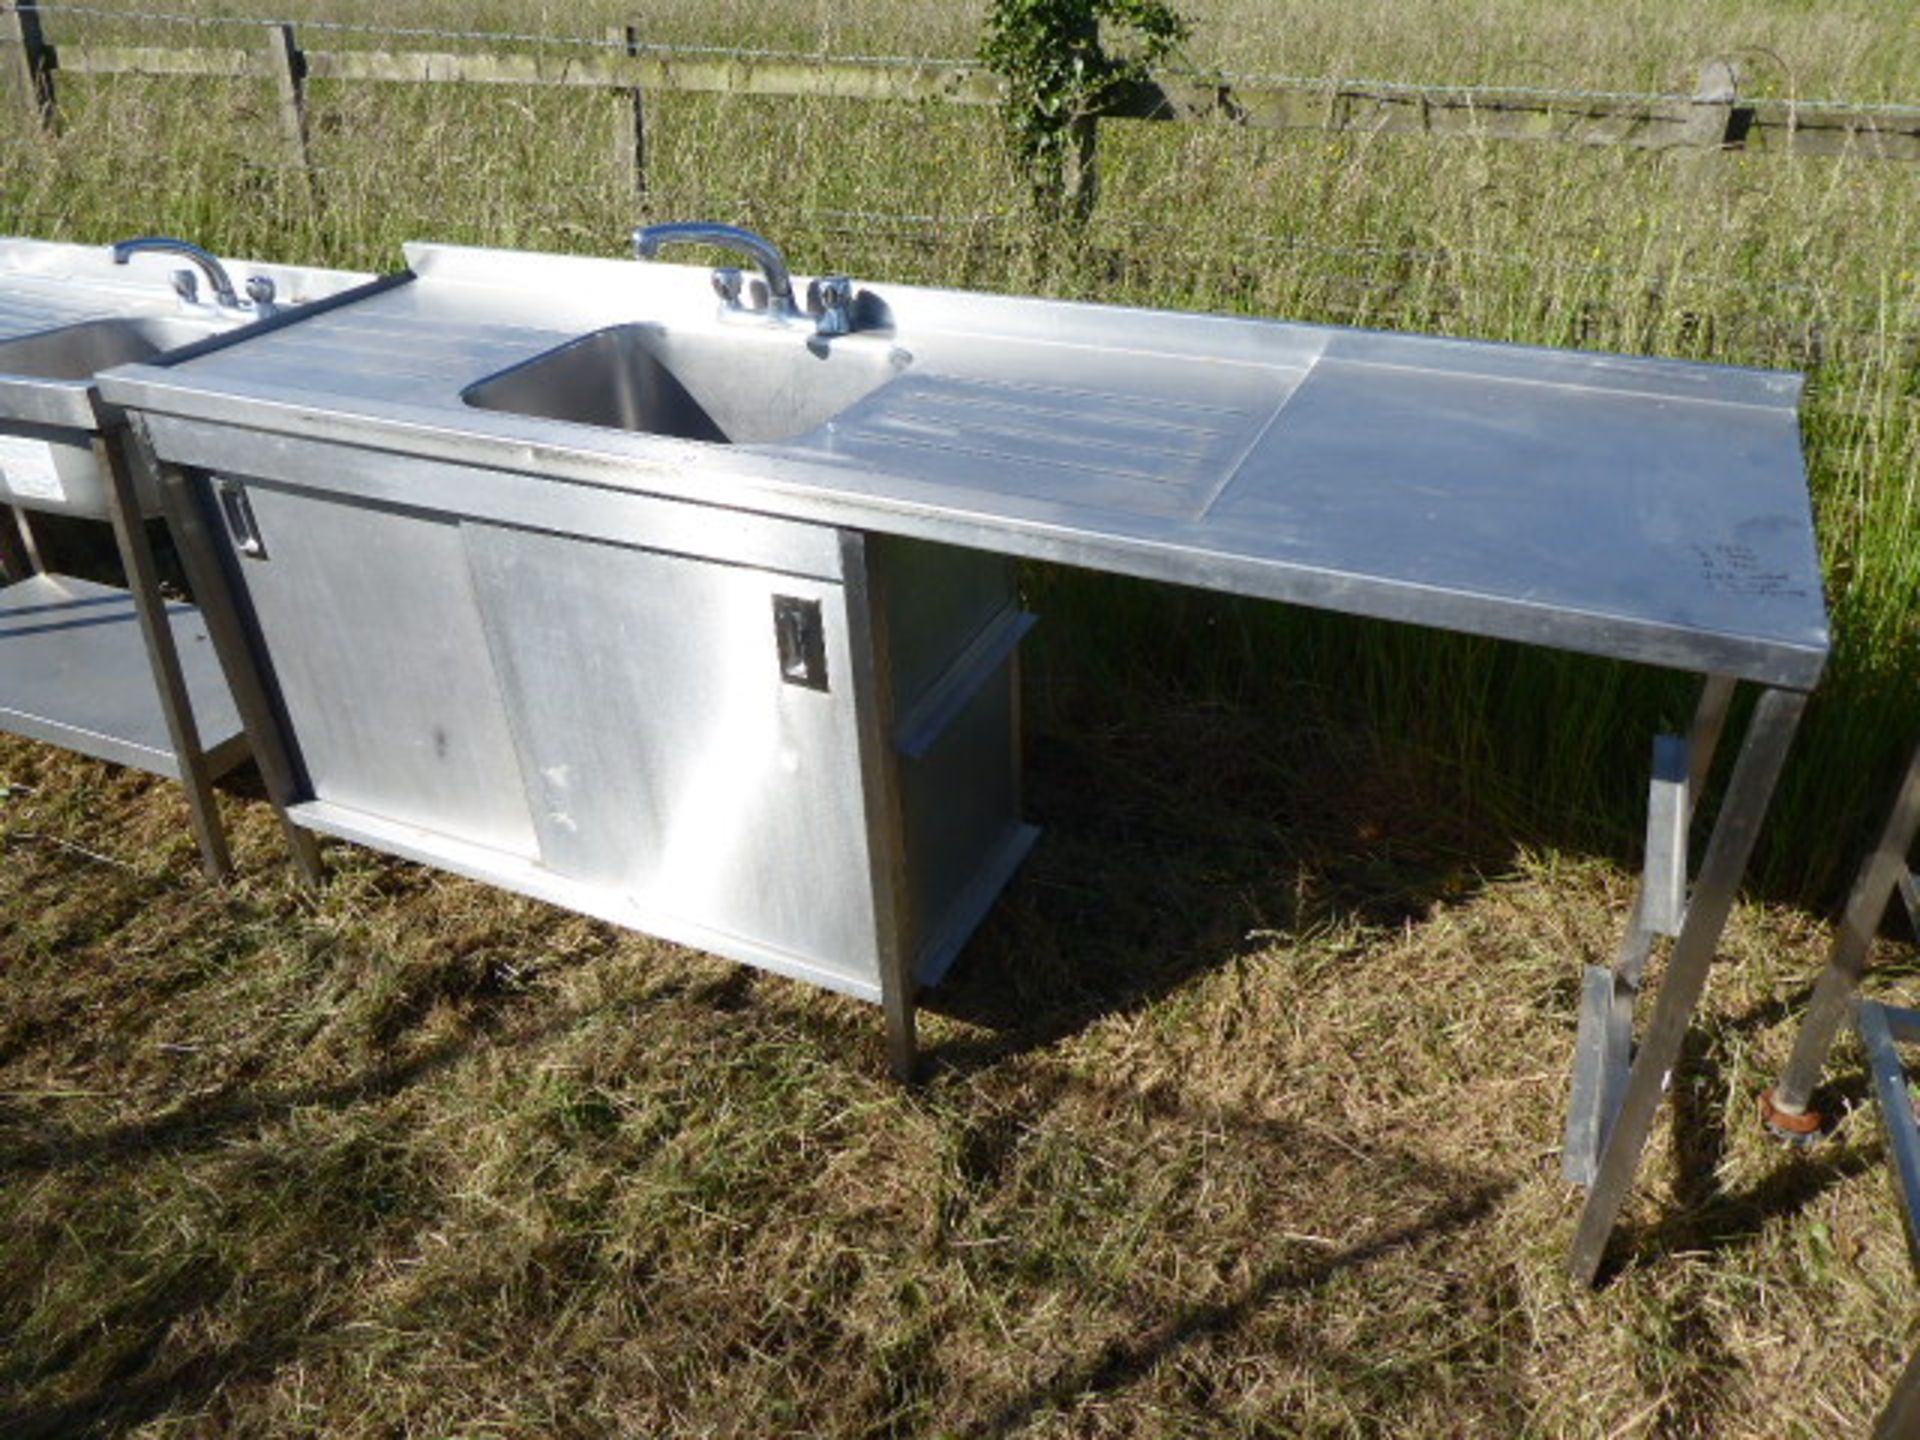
{"x":27,"y":469}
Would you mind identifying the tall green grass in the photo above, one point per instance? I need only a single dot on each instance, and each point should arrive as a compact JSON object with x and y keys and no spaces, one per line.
{"x":1808,"y":263}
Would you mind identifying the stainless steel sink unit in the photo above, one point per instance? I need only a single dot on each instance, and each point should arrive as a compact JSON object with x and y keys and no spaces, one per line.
{"x":783,"y":741}
{"x":113,"y":672}
{"x":563,"y":573}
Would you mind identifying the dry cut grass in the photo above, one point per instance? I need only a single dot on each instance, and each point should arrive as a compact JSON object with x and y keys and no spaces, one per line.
{"x":1242,"y":1120}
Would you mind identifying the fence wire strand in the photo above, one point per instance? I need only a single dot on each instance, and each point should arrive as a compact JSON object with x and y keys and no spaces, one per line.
{"x":1328,"y":83}
{"x":570,"y":42}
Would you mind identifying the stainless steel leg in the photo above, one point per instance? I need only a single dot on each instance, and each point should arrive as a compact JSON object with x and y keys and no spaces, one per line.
{"x":195,"y":542}
{"x":880,"y":774}
{"x":1878,"y":1025}
{"x":143,"y":580}
{"x":15,"y":563}
{"x":1775,"y":718}
{"x":1901,"y":1419}
{"x":1603,"y":1048}
{"x":1703,"y":743}
{"x":1602,"y":1056}
{"x":1873,"y":887}
{"x":903,"y":1041}
{"x":22,"y":526}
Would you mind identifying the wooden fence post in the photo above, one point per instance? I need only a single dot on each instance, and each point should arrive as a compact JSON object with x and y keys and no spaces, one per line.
{"x":1711,"y":123}
{"x":630,"y":142}
{"x":30,"y":64}
{"x":289,"y":69}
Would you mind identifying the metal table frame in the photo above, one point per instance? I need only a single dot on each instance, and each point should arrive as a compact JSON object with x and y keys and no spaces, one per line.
{"x":194,"y":766}
{"x":1881,"y":1029}
{"x":1883,"y":872}
{"x":1617,"y":1087}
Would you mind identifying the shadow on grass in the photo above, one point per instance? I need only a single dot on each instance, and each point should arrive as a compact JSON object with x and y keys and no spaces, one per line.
{"x":123,"y":1398}
{"x":1726,"y":1219}
{"x":1122,"y":1362}
{"x":204,"y":1122}
{"x":1705,"y":1217}
{"x":206,"y":1320}
{"x":1178,"y":839}
{"x":1414,"y":1201}
{"x":264,"y":1238}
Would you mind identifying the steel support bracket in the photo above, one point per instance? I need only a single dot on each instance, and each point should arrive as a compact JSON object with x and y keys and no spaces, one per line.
{"x":1603,"y":1050}
{"x":1669,"y":817}
{"x":1602,"y":1056}
{"x":1626,"y":1125}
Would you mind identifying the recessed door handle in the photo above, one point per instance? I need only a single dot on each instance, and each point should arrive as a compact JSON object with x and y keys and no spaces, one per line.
{"x":801,"y":641}
{"x":237,"y":510}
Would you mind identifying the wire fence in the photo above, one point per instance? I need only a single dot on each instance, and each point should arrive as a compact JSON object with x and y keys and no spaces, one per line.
{"x":1168,"y":98}
{"x":500,"y":38}
{"x":1334,"y":83}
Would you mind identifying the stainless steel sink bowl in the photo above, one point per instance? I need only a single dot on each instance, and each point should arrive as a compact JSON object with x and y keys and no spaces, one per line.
{"x":50,"y":411}
{"x":70,"y":312}
{"x":731,"y":385}
{"x":78,"y":352}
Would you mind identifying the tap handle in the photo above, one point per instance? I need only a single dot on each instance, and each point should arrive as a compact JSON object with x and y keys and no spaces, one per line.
{"x":727,"y":284}
{"x":260,"y":291}
{"x":186,"y":284}
{"x":835,"y":296}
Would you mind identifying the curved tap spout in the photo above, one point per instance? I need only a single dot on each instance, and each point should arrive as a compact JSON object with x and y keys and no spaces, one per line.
{"x":648,"y":240}
{"x":210,"y":266}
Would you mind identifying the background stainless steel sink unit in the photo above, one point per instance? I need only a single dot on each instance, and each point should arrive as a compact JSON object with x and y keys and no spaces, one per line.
{"x":114,"y":672}
{"x":471,"y":482}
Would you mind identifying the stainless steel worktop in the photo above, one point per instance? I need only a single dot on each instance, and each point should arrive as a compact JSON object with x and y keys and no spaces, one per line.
{"x":46,"y":283}
{"x":1650,"y":510}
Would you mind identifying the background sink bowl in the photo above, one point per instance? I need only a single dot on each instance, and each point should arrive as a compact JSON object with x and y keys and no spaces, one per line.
{"x":735,"y":386}
{"x":79,"y":352}
{"x":50,"y":412}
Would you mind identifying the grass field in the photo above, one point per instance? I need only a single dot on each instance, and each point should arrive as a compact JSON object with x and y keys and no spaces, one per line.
{"x":1244,"y":1105}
